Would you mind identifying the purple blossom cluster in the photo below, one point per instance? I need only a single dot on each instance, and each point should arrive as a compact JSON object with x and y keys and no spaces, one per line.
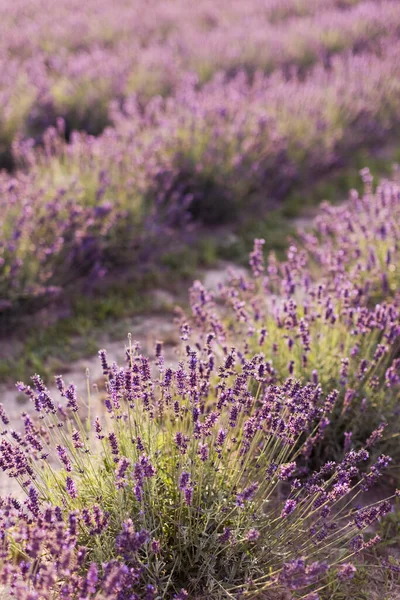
{"x":46,"y":552}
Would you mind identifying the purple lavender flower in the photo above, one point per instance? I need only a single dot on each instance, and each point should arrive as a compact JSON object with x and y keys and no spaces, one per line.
{"x":290,"y":506}
{"x":70,"y":394}
{"x":185,"y":331}
{"x":225,"y":535}
{"x":129,"y":541}
{"x":246,"y":495}
{"x":221,"y":437}
{"x":296,"y":574}
{"x":76,"y":437}
{"x":121,"y":469}
{"x":33,"y":501}
{"x":367,"y":516}
{"x":346,"y":571}
{"x":347,"y":440}
{"x":203,"y":452}
{"x":63,"y":456}
{"x":252,"y":535}
{"x":184,"y":480}
{"x":98,"y":429}
{"x":181,"y":442}
{"x":3,"y":415}
{"x":188,"y":494}
{"x":112,"y":438}
{"x":71,"y":487}
{"x":91,"y":578}
{"x":104,"y":363}
{"x":376,"y":435}
{"x":257,"y":258}
{"x":182,"y":595}
{"x":286,"y":471}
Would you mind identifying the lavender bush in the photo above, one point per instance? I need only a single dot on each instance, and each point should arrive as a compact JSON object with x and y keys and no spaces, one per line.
{"x":316,"y":317}
{"x":61,"y":224}
{"x":189,"y":483}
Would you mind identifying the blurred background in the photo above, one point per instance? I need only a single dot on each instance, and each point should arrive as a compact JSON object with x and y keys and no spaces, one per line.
{"x":144,"y":144}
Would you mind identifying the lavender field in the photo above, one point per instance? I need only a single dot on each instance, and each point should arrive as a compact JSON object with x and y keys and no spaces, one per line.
{"x":200,"y":355}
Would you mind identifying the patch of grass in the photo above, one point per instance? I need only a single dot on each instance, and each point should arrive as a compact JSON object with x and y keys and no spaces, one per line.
{"x":274,"y":228}
{"x":371,"y":582}
{"x":184,"y":261}
{"x":335,"y":186}
{"x":181,"y":263}
{"x":389,"y":529}
{"x":47,"y":348}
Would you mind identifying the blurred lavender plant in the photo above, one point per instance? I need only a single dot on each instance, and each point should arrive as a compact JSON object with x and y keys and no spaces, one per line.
{"x":210,"y":151}
{"x":74,"y":68}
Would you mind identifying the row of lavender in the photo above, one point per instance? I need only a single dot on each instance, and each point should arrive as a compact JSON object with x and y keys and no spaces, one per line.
{"x":236,"y":474}
{"x":343,"y":332}
{"x":206,"y":154}
{"x":69,"y":63}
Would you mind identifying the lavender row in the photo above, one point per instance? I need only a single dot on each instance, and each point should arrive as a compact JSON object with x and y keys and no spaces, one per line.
{"x":74,"y":64}
{"x":206,"y":154}
{"x":327,"y":315}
